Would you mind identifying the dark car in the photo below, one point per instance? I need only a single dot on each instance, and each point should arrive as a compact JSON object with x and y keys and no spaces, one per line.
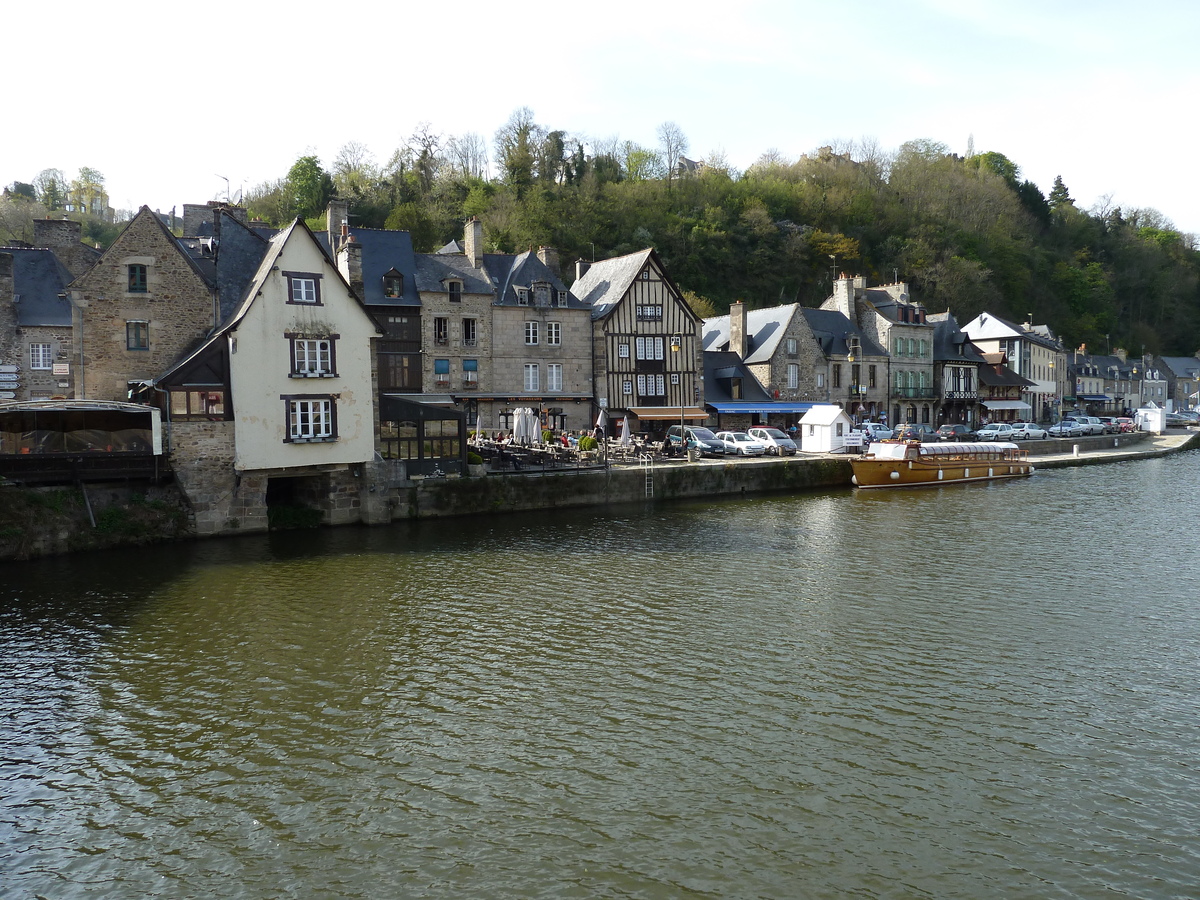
{"x":956,"y":433}
{"x":910,"y":431}
{"x":698,"y":439}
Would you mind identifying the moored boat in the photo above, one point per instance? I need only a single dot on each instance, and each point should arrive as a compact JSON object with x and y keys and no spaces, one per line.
{"x":908,"y":463}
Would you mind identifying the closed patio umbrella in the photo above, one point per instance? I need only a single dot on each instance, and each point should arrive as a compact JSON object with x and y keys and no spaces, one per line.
{"x":626,"y":433}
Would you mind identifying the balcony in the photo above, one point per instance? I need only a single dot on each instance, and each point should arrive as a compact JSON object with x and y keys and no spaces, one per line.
{"x":925,"y":393}
{"x":962,"y":395}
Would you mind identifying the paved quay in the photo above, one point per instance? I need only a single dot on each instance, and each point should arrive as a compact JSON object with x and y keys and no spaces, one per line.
{"x":1088,"y":454}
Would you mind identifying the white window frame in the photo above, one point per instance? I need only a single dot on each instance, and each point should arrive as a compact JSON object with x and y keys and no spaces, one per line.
{"x":304,"y":289}
{"x":312,"y":357}
{"x":554,"y":377}
{"x":41,"y":356}
{"x":554,"y":334}
{"x":531,"y":334}
{"x":310,"y":419}
{"x":793,"y":376}
{"x":623,"y":350}
{"x":532,"y":377}
{"x":472,"y":326}
{"x":649,"y":347}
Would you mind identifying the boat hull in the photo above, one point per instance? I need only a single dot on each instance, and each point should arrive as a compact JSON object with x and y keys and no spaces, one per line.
{"x":913,"y":465}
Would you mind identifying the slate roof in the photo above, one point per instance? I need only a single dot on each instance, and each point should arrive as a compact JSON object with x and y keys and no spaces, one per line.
{"x":996,"y":374}
{"x":383,"y":250}
{"x":508,"y":272}
{"x":38,"y":280}
{"x":433,"y":270}
{"x":720,"y":366}
{"x":951,"y":343}
{"x":831,"y":328}
{"x":1181,"y":366}
{"x":228,"y":262}
{"x":764,"y":330}
{"x":605,"y":282}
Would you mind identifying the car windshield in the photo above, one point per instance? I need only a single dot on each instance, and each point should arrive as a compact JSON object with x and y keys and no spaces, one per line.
{"x":773,"y":432}
{"x":702,"y":434}
{"x":739,"y":436}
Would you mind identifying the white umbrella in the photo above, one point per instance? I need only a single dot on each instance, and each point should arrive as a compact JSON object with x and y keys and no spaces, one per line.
{"x":602,"y":421}
{"x":626,"y":435}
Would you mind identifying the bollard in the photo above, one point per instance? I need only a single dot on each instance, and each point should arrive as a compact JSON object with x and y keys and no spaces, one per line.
{"x":1075,"y":449}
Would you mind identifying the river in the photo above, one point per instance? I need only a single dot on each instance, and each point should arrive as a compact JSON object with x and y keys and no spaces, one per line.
{"x":968,"y":691}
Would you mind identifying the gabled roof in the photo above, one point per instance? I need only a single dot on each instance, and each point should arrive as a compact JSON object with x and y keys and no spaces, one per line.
{"x":204,"y":273}
{"x":831,"y":328}
{"x":435,"y":269}
{"x":951,"y":343}
{"x":606,"y":282}
{"x":824,"y":414}
{"x":764,"y":330}
{"x":996,"y":374}
{"x":508,"y":272}
{"x":38,"y":281}
{"x":720,"y":367}
{"x":1181,"y":366}
{"x":988,"y":327}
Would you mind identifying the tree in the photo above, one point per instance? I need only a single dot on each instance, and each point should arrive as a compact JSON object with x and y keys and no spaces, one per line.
{"x":1058,"y":194}
{"x":51,"y":188}
{"x":517,"y":143}
{"x":307,"y":189}
{"x":467,"y":155}
{"x":87,"y":193}
{"x":674,"y":145}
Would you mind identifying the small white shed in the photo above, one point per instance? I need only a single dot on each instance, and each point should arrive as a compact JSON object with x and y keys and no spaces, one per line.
{"x":823,"y":429}
{"x":1151,"y":418}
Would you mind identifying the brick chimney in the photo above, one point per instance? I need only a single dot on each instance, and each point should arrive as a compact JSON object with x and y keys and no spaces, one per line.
{"x":337,"y":214}
{"x":581,"y":267}
{"x":843,"y":298}
{"x":56,"y":234}
{"x":549,"y":257}
{"x":473,"y":241}
{"x":738,"y":339}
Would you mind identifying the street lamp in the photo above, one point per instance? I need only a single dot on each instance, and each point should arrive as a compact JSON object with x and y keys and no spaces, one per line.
{"x":677,"y":347}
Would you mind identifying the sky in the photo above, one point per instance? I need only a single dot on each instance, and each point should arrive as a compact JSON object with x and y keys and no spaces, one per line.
{"x":183,"y":102}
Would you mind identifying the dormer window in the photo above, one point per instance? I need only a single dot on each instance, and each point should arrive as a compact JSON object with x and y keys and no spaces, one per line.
{"x":541,"y":295}
{"x":393,"y":284}
{"x":454,"y":288}
{"x":562,"y":299}
{"x":522,"y":296}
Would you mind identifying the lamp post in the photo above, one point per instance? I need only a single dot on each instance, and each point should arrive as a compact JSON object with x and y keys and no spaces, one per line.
{"x":677,"y":347}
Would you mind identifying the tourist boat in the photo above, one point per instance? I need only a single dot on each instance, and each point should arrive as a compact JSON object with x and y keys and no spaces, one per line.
{"x":908,"y":463}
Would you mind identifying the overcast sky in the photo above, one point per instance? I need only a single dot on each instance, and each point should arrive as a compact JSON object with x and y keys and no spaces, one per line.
{"x":168,"y":100}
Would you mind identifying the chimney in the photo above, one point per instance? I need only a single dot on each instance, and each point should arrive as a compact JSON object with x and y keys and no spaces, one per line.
{"x":549,"y":258}
{"x":1121,"y":354}
{"x":349,"y":263}
{"x":843,"y":298}
{"x":738,"y":342}
{"x":581,"y":267}
{"x":56,"y":233}
{"x":473,"y":241}
{"x":337,"y":215}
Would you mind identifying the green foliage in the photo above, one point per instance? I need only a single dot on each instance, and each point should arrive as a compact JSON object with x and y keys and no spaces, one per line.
{"x":587,"y":442}
{"x":474,"y":459}
{"x":547,"y":435}
{"x":306,"y":190}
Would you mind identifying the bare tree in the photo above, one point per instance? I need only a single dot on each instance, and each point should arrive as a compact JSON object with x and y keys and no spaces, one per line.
{"x":467,"y":155}
{"x":674,"y":145}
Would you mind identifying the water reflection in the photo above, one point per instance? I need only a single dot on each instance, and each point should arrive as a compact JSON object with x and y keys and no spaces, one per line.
{"x":888,"y":694}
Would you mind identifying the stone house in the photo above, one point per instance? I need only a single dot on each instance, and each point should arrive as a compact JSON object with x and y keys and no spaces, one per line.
{"x":1182,"y":376}
{"x":956,"y":363}
{"x":541,"y":343}
{"x":137,"y":311}
{"x":646,"y":341}
{"x":277,"y":408}
{"x":35,"y":325}
{"x":855,"y":371}
{"x":1032,"y":352}
{"x":888,"y":316}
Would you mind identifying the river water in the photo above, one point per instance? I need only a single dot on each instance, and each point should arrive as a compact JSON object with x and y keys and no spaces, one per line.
{"x":969,"y":691}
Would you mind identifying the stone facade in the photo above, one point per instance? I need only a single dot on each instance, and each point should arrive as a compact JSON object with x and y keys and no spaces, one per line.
{"x":125,"y":335}
{"x":63,"y":237}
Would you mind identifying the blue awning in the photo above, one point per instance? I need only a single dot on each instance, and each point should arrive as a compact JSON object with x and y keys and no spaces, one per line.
{"x":1094,"y":397}
{"x":762,"y":407}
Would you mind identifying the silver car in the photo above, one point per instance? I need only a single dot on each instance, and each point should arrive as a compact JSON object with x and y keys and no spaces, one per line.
{"x":741,"y":444}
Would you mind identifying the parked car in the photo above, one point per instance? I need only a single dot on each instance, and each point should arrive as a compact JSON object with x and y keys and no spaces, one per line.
{"x":957,"y":433}
{"x":996,"y":431}
{"x":1091,"y":424}
{"x":1127,"y":424}
{"x":741,"y":444}
{"x":874,"y":431}
{"x":778,"y":443}
{"x":1111,"y":425}
{"x":1024,"y":431}
{"x":698,"y":438}
{"x":1066,"y":428}
{"x":1182,"y":418}
{"x":913,"y":431}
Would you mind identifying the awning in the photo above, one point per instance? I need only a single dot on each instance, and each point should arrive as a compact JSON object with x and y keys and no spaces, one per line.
{"x":1007,"y":404}
{"x":1096,"y":397}
{"x":415,"y":407}
{"x":667,"y":413}
{"x":763,"y":407}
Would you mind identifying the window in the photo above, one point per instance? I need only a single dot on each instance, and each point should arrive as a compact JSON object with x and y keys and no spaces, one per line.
{"x":441,"y":372}
{"x":912,"y":347}
{"x":137,"y":335}
{"x":137,"y":279}
{"x":899,"y":381}
{"x":871,"y":380}
{"x":793,"y":376}
{"x":310,"y":418}
{"x":837,"y":375}
{"x":645,"y":274}
{"x":820,"y":379}
{"x":312,"y":358}
{"x":531,"y":334}
{"x":899,"y":346}
{"x":623,"y":351}
{"x":532,"y":379}
{"x":562,"y":299}
{"x":791,"y":346}
{"x":650,"y":312}
{"x":470,"y":372}
{"x":393,"y":284}
{"x":921,"y":349}
{"x":627,"y":387}
{"x":522,"y":296}
{"x":455,"y":290}
{"x":651,"y":386}
{"x":304,"y":287}
{"x":554,"y":334}
{"x":40,"y":356}
{"x":441,"y":330}
{"x":554,"y":377}
{"x":470,"y":333}
{"x":649,"y":348}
